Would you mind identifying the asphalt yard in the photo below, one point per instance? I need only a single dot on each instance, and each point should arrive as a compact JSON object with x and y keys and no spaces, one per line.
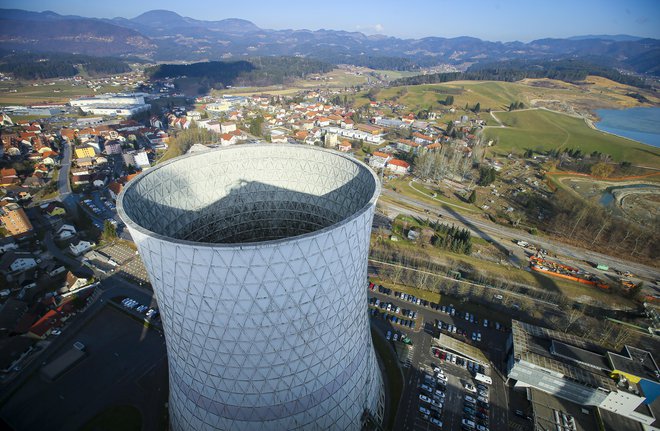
{"x":125,"y":364}
{"x":419,"y":361}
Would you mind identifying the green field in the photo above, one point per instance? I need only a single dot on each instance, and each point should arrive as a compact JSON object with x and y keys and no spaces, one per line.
{"x":493,"y":95}
{"x":542,"y":130}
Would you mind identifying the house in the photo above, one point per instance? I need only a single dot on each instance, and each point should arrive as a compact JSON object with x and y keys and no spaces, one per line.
{"x":81,"y":247}
{"x":66,"y":231}
{"x":73,"y":282}
{"x":345,"y":146}
{"x":407,"y":146}
{"x":227,"y":139}
{"x":113,"y":147}
{"x":14,"y":220}
{"x":422,"y":139}
{"x":227,"y":127}
{"x":8,"y":177}
{"x":7,"y":244}
{"x":398,"y":166}
{"x":14,"y":262}
{"x":53,"y":209}
{"x":114,"y":188}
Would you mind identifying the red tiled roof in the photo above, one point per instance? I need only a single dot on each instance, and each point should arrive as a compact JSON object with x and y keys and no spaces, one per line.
{"x":397,"y":162}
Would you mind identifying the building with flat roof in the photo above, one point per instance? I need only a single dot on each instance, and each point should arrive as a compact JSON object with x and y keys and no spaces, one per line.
{"x":568,"y":367}
{"x":14,"y":220}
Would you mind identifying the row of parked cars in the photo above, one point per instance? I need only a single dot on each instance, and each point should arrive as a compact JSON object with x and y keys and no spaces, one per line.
{"x":99,"y":211}
{"x":392,"y":318}
{"x":471,"y":366}
{"x":432,"y":396}
{"x":475,"y":407}
{"x":398,"y":336}
{"x":132,"y":304}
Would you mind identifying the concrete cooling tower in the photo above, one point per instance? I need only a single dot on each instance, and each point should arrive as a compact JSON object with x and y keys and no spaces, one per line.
{"x":258,"y":258}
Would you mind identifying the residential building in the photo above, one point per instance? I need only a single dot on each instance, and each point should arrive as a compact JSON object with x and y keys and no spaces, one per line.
{"x":81,"y":247}
{"x":14,"y":220}
{"x":14,"y":262}
{"x":6,"y":244}
{"x":398,"y":166}
{"x":66,"y":231}
{"x":84,"y":151}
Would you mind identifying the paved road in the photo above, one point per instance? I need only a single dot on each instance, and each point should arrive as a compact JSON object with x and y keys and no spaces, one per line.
{"x":492,"y":232}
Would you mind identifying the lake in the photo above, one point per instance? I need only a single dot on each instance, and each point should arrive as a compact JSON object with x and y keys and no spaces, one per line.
{"x":640,"y":124}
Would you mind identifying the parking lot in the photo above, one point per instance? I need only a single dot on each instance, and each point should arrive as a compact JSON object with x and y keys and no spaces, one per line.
{"x":125,"y":363}
{"x":128,"y":262}
{"x":483,"y":343}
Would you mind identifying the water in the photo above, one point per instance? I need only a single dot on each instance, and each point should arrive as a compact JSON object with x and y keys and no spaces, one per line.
{"x":639,"y":124}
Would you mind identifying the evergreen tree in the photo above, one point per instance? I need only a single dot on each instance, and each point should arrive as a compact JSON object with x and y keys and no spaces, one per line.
{"x":473,"y":197}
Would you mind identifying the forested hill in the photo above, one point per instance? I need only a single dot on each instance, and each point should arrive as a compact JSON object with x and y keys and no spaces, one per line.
{"x":515,"y":70}
{"x":257,"y":71}
{"x":58,"y":65}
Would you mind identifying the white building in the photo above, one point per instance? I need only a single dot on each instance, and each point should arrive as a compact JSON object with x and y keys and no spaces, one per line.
{"x":81,"y":247}
{"x":123,"y":105}
{"x":65,"y":232}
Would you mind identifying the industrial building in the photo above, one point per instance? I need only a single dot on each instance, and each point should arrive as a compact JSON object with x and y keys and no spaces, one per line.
{"x":625,"y":384}
{"x":258,"y":258}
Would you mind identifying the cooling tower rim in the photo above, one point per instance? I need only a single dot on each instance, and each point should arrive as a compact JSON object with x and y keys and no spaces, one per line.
{"x":134,"y":226}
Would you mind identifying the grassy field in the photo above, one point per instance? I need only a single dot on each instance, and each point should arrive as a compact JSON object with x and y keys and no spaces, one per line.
{"x":60,"y":91}
{"x":542,"y":130}
{"x":570,"y":289}
{"x":594,"y":93}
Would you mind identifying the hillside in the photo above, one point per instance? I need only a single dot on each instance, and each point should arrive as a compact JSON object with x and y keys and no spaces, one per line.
{"x":256,"y":71}
{"x":167,"y":36}
{"x":542,"y":131}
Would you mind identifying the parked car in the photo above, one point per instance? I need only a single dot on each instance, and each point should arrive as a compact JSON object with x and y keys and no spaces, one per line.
{"x":470,"y":388}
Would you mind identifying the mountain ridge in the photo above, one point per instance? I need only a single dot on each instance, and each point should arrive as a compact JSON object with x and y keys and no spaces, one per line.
{"x":163,"y":35}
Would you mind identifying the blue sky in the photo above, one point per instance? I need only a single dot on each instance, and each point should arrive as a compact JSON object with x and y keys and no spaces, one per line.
{"x":496,"y":20}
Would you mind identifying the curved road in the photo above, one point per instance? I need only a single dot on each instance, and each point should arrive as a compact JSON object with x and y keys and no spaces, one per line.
{"x":484,"y":228}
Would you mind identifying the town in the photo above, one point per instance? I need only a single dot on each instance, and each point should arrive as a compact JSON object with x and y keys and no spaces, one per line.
{"x":490,"y":305}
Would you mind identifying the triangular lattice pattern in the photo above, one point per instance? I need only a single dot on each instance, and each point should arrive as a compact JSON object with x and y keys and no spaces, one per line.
{"x":269,"y":335}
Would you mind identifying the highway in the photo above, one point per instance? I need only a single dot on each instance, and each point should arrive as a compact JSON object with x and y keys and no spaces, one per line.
{"x":492,"y":232}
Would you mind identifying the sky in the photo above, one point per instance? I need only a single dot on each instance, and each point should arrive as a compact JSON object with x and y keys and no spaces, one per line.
{"x":494,"y":20}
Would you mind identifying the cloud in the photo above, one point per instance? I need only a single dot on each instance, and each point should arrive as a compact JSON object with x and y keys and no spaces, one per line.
{"x":371,"y":28}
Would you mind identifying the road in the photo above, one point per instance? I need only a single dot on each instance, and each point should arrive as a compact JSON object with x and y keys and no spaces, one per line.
{"x":491,"y":232}
{"x":66,"y":195}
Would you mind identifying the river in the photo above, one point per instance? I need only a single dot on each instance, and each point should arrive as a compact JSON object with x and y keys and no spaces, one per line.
{"x":639,"y":124}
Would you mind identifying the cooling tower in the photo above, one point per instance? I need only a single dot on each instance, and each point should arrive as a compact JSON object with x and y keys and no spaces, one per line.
{"x":258,"y":258}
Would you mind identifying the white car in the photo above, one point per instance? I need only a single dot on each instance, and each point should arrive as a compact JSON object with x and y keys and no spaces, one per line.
{"x":426,"y":388}
{"x":468,"y":423}
{"x":485,"y":323}
{"x":483,"y":399}
{"x":424,"y":398}
{"x":482,"y":428}
{"x":424,"y":410}
{"x":438,"y":370}
{"x":436,"y":403}
{"x":470,"y":388}
{"x":469,"y":399}
{"x":437,"y":422}
{"x":478,"y":336}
